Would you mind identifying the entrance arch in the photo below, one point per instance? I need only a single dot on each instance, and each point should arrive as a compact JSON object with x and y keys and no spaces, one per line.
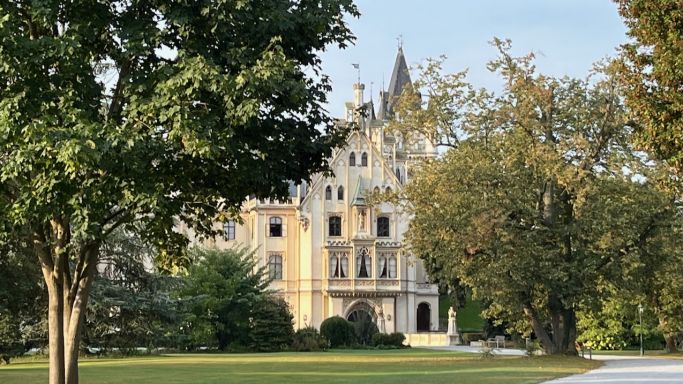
{"x":361,"y":309}
{"x":424,"y":315}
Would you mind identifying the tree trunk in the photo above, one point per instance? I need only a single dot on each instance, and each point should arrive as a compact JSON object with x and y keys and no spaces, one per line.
{"x":669,"y":338}
{"x":547,"y":343}
{"x":67,"y":302}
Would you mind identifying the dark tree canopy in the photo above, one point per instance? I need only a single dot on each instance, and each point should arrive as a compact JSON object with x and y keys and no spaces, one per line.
{"x":155,"y":112}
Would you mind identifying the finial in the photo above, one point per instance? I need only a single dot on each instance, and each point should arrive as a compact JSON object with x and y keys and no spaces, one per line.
{"x":399,"y":40}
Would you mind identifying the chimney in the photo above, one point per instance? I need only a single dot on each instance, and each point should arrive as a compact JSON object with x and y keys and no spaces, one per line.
{"x":358,"y":89}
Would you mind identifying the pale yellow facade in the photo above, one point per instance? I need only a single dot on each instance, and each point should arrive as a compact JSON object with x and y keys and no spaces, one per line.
{"x":332,"y":254}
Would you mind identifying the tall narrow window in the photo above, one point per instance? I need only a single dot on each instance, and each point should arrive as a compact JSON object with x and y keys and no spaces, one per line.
{"x":340,"y":193}
{"x":343,"y":272}
{"x":388,"y":190}
{"x":328,"y":193}
{"x":275,"y":227}
{"x":364,"y":263}
{"x":275,"y":267}
{"x":334,"y":226}
{"x":392,"y":267}
{"x":398,"y":175}
{"x":364,"y":160}
{"x":352,"y":159}
{"x":383,"y":267}
{"x":229,"y":229}
{"x":382,"y":227}
{"x":334,"y":266}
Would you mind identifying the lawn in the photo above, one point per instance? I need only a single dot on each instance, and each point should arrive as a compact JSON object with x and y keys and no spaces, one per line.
{"x":377,"y":367}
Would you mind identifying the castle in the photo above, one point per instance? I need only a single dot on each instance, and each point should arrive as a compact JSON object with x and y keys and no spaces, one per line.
{"x":327,"y":250}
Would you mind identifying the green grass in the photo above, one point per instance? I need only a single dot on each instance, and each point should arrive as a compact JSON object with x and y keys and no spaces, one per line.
{"x":468,"y":316}
{"x":377,"y":367}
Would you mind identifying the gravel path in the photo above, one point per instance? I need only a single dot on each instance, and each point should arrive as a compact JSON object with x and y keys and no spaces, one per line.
{"x":629,"y":370}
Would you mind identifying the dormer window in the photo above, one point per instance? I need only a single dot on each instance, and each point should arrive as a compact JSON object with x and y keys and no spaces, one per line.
{"x":328,"y":193}
{"x":364,"y":160}
{"x":352,"y":159}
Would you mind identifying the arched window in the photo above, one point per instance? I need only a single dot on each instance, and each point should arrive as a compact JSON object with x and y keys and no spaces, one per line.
{"x":340,"y":193}
{"x":334,"y":226}
{"x":275,"y":267}
{"x":364,"y":160}
{"x":339,"y":265}
{"x":334,"y":265}
{"x":388,"y":190}
{"x":376,"y":190}
{"x":364,"y":263}
{"x":352,"y":159}
{"x":229,"y":229}
{"x":383,"y":267}
{"x":328,"y":193}
{"x":382,"y":227}
{"x":398,"y":175}
{"x":275,"y":227}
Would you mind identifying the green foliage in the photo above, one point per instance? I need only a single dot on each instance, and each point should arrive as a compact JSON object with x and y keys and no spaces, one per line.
{"x":365,"y":329}
{"x":157,"y":113}
{"x":546,"y":205}
{"x":131,"y":305}
{"x":395,"y":339}
{"x":221,"y":292}
{"x":339,"y":331}
{"x":271,"y":328}
{"x":651,"y":73}
{"x":308,"y":339}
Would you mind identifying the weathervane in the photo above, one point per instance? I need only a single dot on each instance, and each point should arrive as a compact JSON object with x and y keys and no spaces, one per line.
{"x":399,"y":40}
{"x":357,"y":66}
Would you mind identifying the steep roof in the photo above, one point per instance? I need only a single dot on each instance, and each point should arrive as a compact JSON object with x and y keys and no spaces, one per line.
{"x":400,"y":77}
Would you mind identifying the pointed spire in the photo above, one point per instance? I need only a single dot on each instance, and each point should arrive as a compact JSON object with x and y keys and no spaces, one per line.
{"x":400,"y":77}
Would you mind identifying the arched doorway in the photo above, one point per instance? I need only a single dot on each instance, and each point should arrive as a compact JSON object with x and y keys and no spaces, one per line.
{"x":423,"y":317}
{"x":359,"y":315}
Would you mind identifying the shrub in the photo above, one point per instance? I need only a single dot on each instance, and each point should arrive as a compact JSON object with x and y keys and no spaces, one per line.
{"x":364,"y":330}
{"x":271,"y":328}
{"x":308,"y":340}
{"x":394,"y":339}
{"x":338,"y":331}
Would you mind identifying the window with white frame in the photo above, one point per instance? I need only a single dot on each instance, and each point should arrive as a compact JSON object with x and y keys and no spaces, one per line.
{"x":364,"y":263}
{"x":386,"y":265}
{"x":383,"y":226}
{"x":229,"y":229}
{"x":275,"y":227}
{"x":334,"y":226}
{"x":275,"y":266}
{"x":339,"y":265}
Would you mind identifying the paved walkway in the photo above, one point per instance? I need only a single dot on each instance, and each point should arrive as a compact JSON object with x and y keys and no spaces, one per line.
{"x":496,"y":351}
{"x":629,"y":370}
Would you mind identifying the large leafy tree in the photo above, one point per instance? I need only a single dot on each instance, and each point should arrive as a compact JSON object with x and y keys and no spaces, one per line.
{"x":653,"y":74}
{"x":156,"y":112}
{"x":504,"y":211}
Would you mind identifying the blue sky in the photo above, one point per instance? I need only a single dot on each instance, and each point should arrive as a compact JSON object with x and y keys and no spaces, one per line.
{"x":568,"y":36}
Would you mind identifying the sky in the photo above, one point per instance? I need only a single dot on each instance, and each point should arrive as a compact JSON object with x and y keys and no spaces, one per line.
{"x":567,"y":36}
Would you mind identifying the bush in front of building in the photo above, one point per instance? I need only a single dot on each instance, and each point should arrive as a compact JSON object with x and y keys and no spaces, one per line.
{"x":338,"y":331}
{"x":365,"y":329}
{"x":308,"y":339}
{"x":271,"y":327}
{"x":388,"y":340}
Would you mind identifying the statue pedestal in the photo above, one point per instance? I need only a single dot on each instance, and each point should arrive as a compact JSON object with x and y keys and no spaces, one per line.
{"x":454,"y":339}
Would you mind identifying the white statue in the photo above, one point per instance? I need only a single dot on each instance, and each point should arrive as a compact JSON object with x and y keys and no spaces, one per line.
{"x":453,"y":335}
{"x":361,"y":220}
{"x":380,"y":320}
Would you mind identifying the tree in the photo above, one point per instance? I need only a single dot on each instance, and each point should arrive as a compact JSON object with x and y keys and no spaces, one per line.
{"x":271,"y":328}
{"x":22,"y":301}
{"x":504,"y":210}
{"x":652,"y":74}
{"x":221,"y":291}
{"x":130,"y":304}
{"x":156,"y":112}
